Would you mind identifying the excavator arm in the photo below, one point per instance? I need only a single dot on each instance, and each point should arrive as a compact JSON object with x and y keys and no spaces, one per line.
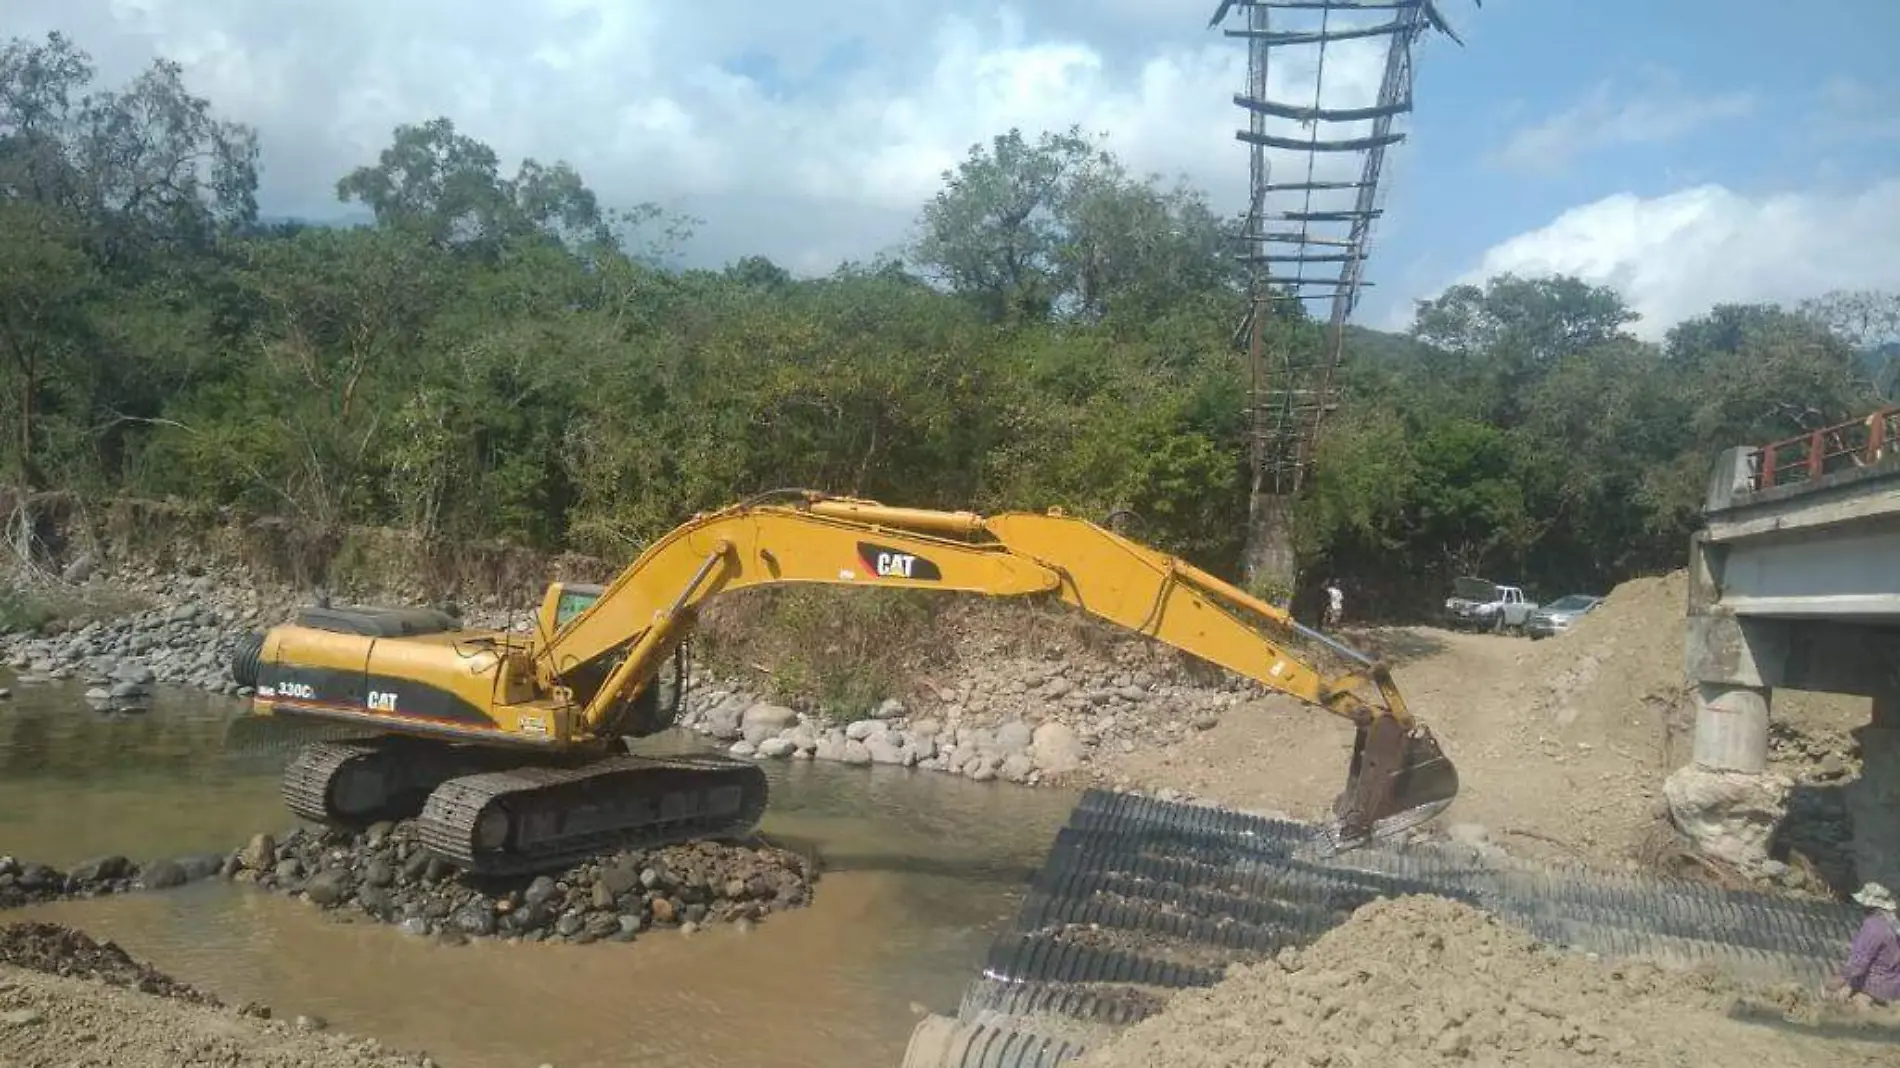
{"x":609,"y":653}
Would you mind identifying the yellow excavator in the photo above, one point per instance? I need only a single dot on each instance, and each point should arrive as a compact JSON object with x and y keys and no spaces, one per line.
{"x":511,"y":750}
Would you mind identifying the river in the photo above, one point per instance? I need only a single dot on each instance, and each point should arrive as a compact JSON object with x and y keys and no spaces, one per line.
{"x":920,"y":870}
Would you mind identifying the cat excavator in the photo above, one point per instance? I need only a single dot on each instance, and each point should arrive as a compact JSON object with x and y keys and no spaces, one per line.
{"x":512,"y":750}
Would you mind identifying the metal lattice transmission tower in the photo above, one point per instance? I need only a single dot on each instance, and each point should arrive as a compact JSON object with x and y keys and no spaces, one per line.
{"x":1307,"y":228}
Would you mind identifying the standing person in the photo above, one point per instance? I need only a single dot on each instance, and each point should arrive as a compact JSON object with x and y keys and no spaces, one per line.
{"x":1873,"y":960}
{"x":1335,"y":604}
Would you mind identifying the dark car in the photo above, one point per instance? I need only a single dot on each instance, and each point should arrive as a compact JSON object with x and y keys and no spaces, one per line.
{"x":1557,"y":616}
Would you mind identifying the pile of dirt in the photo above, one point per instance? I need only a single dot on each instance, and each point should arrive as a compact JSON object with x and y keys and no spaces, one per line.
{"x":68,"y":999}
{"x":57,"y":950}
{"x":1626,"y":657}
{"x":1425,"y":980}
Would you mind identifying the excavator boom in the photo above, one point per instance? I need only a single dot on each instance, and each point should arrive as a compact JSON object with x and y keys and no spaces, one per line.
{"x":584,"y":680}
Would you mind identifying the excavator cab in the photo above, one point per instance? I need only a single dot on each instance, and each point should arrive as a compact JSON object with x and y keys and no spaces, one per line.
{"x":564,"y":601}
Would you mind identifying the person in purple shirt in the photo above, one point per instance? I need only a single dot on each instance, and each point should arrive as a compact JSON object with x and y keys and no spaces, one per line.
{"x":1873,"y":960}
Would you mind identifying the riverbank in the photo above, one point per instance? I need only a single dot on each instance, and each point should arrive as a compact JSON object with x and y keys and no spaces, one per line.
{"x":66,"y":999}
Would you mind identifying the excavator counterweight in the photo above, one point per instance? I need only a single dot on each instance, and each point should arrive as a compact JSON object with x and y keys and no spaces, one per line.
{"x":510,"y":749}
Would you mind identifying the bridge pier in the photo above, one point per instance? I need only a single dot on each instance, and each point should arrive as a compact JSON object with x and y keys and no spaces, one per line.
{"x":1731,"y":727}
{"x":1792,"y":586}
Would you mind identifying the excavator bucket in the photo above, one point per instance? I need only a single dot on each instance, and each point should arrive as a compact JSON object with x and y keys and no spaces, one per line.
{"x":1398,"y":779}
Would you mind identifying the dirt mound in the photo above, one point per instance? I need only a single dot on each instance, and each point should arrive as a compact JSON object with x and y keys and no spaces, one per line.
{"x":1624,"y":657}
{"x":48,"y":1020}
{"x":57,"y":950}
{"x":1426,"y":980}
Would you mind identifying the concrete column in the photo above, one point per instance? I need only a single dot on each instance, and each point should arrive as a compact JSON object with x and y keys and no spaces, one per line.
{"x":1731,"y":727}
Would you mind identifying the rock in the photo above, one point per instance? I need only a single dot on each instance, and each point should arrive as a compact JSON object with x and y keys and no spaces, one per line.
{"x":723,"y":720}
{"x":777,"y":747}
{"x":1017,"y":766}
{"x":856,"y":753}
{"x":22,"y":1018}
{"x":742,"y":748}
{"x":163,"y":875}
{"x":1729,"y":815}
{"x":863,"y":729}
{"x":617,"y":879}
{"x":378,"y":873}
{"x":889,"y":708}
{"x":539,"y":891}
{"x":475,"y":919}
{"x":1014,"y":737}
{"x":260,"y":853}
{"x":328,"y":888}
{"x":1204,"y":721}
{"x":1056,"y":748}
{"x":104,"y":869}
{"x":78,"y":570}
{"x":311,"y":1023}
{"x":885,"y":748}
{"x":763,"y":721}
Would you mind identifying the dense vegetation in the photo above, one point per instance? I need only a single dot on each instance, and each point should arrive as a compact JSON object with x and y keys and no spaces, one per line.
{"x":503,"y":356}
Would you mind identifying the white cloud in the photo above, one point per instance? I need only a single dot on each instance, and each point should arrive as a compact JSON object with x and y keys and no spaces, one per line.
{"x":1657,"y":112}
{"x":832,"y":158}
{"x":1673,"y":257}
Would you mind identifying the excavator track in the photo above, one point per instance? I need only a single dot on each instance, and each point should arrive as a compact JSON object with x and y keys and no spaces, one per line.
{"x":533,"y":819}
{"x":362,"y":781}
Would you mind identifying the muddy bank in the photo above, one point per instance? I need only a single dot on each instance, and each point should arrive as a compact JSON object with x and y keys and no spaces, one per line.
{"x":1425,"y":980}
{"x":66,"y":999}
{"x":57,"y":950}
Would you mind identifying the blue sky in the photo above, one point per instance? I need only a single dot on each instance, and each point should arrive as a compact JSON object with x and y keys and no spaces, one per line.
{"x":1687,"y":151}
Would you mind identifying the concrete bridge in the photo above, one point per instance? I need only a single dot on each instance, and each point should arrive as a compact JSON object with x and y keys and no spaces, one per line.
{"x":1794,"y":584}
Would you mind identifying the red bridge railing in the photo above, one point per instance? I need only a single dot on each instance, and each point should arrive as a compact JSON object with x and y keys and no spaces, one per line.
{"x":1856,"y":443}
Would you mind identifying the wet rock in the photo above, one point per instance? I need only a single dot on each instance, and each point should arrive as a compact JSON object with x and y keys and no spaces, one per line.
{"x":328,"y":889}
{"x":163,"y":875}
{"x":101,"y":870}
{"x":608,"y":899}
{"x":776,"y":748}
{"x":260,"y":853}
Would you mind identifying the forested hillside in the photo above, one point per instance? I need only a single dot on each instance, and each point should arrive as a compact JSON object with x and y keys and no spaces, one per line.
{"x":500,"y":354}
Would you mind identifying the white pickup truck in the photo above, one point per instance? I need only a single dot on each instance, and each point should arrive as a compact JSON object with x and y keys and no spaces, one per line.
{"x":1480,"y":604}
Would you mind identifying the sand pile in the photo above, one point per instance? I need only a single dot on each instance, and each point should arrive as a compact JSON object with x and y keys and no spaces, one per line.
{"x":1428,"y":981}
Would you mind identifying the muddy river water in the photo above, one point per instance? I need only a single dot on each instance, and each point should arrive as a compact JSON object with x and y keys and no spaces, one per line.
{"x":920,"y":871}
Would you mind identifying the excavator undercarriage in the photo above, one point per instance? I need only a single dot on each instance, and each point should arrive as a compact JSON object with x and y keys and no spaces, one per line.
{"x":511,"y":751}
